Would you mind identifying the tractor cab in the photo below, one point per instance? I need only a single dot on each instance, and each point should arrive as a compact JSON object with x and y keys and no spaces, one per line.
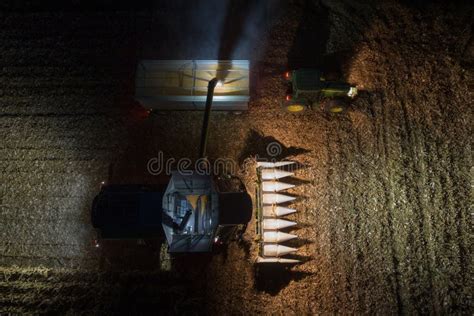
{"x":308,"y":88}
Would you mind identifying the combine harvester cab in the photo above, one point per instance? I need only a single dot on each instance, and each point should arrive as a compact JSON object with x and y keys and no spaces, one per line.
{"x":183,"y":84}
{"x":201,"y":212}
{"x":270,"y":210}
{"x":195,"y":213}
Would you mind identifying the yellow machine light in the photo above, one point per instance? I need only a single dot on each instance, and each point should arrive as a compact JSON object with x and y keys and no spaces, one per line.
{"x":295,"y":108}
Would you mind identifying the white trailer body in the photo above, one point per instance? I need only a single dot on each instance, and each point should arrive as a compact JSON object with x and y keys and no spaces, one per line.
{"x":182,"y":84}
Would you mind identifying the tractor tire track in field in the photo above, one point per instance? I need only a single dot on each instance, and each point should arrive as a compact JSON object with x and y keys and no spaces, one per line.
{"x":386,"y":179}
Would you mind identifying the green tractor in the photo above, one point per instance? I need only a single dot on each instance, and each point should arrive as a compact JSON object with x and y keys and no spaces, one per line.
{"x":308,"y":88}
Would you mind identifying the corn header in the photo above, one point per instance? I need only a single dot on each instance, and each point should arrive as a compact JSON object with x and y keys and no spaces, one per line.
{"x":272,"y":208}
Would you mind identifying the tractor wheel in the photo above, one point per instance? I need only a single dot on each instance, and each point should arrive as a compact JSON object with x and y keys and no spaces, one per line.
{"x":336,"y":106}
{"x":295,"y":106}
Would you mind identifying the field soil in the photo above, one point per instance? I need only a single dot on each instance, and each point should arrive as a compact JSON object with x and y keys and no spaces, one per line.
{"x":385,"y":204}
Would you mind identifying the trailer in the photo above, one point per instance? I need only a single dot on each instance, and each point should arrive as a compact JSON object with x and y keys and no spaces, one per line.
{"x":183,"y":84}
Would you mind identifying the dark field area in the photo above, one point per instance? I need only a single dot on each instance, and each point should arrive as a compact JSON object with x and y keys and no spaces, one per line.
{"x":386,"y":214}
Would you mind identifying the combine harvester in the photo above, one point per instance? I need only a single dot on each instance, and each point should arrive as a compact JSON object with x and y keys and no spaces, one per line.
{"x":197,"y":213}
{"x":270,"y":213}
{"x":194,"y":212}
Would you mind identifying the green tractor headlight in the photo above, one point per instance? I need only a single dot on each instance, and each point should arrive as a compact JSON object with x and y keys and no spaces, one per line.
{"x":352,"y":92}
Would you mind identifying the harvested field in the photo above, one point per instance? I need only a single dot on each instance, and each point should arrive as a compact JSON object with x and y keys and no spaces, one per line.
{"x":386,"y":213}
